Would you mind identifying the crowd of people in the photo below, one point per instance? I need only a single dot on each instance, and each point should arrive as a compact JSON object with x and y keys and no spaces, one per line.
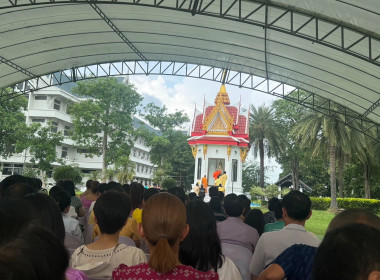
{"x":114,"y":231}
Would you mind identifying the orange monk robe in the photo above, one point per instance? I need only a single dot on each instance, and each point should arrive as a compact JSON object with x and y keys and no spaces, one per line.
{"x":204,"y":182}
{"x":216,"y":174}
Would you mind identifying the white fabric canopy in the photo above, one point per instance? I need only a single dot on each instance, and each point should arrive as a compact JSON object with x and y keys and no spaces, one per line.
{"x":327,"y":47}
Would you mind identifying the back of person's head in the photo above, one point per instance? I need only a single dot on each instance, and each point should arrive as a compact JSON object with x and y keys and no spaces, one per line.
{"x":213,"y":191}
{"x":246,"y":203}
{"x":69,"y":186}
{"x":233,"y":205}
{"x":350,"y":216}
{"x":19,"y":190}
{"x":36,"y":183}
{"x":111,"y":211}
{"x":127,"y":188}
{"x":297,"y":205}
{"x":192,"y":195}
{"x":102,"y":188}
{"x":10,"y":180}
{"x":89,"y":184}
{"x":272,"y":202}
{"x":201,"y":249}
{"x":221,"y":195}
{"x":94,"y":187}
{"x":114,"y":187}
{"x":149,"y":192}
{"x":215,"y":204}
{"x":164,"y":224}
{"x":47,"y":214}
{"x":349,"y":252}
{"x":178,"y":192}
{"x":255,"y":219}
{"x":62,"y":198}
{"x":137,"y":194}
{"x":35,"y":254}
{"x":278,"y":210}
{"x":15,"y":216}
{"x":55,"y":189}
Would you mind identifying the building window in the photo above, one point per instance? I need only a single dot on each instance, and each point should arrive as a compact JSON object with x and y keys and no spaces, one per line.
{"x":57,"y":104}
{"x":54,"y":127}
{"x":38,"y":120}
{"x":66,"y":132}
{"x":40,"y":97}
{"x":12,"y":169}
{"x":64,"y":152}
{"x":234,"y":170}
{"x":199,"y":169}
{"x":134,"y":153}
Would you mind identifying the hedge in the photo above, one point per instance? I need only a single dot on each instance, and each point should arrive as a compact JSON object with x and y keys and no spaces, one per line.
{"x":323,"y":203}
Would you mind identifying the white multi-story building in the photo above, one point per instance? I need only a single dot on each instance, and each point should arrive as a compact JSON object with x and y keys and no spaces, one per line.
{"x":51,"y":105}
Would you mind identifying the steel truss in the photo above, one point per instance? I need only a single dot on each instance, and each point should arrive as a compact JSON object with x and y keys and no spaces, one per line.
{"x":315,"y":28}
{"x":242,"y":80}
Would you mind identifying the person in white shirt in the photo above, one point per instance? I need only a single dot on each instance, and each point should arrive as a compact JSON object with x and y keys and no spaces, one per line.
{"x":63,"y":200}
{"x":296,"y":211}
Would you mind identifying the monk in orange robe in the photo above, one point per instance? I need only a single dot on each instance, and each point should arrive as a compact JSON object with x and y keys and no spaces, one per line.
{"x":204,"y":182}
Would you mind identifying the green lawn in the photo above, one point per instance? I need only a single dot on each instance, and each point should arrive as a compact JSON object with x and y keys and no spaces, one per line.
{"x":319,"y":222}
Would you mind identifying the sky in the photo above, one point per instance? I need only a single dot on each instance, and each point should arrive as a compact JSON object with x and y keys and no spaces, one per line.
{"x":183,"y":93}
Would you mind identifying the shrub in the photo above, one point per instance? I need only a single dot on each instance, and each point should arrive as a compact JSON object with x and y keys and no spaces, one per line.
{"x":320,"y":203}
{"x":323,"y":203}
{"x":168,"y":183}
{"x":67,"y":172}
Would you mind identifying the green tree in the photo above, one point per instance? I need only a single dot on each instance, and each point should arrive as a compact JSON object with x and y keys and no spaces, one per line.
{"x":323,"y":134}
{"x":251,"y":175}
{"x":256,"y":193}
{"x":12,"y":125}
{"x":125,"y":169}
{"x":103,"y":122}
{"x":168,"y":183}
{"x":265,"y":135}
{"x":68,"y":172}
{"x":159,"y":176}
{"x":271,"y":191}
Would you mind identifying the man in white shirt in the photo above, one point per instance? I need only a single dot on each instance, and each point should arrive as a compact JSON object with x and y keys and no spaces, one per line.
{"x":296,"y":210}
{"x":63,"y":200}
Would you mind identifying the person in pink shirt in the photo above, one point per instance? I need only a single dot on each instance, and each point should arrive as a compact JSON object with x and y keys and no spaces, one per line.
{"x":163,"y":227}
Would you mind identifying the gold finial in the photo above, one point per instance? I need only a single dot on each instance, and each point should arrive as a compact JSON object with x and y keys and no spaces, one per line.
{"x":222,"y":96}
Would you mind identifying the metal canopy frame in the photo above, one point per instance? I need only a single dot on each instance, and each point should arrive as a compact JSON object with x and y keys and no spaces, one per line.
{"x":242,"y":80}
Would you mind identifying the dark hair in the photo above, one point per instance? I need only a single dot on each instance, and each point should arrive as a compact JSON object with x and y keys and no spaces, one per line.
{"x":127,"y":188}
{"x":10,"y":180}
{"x":19,"y":190}
{"x":136,"y":193}
{"x":278,"y":210}
{"x":178,"y":192}
{"x":201,"y":249}
{"x":297,"y":205}
{"x":89,"y":184}
{"x":102,"y":188}
{"x":94,"y":186}
{"x":255,"y":219}
{"x":350,"y":216}
{"x":36,"y":183}
{"x":233,"y":205}
{"x":213,"y":191}
{"x":55,"y":189}
{"x":215,"y":204}
{"x":246,"y":203}
{"x":192,"y":195}
{"x":47,"y":214}
{"x":35,"y":254}
{"x":272,"y":202}
{"x":69,"y":186}
{"x":221,"y":195}
{"x":111,"y":211}
{"x":62,"y":198}
{"x":349,"y":252}
{"x":149,"y":192}
{"x":15,"y":216}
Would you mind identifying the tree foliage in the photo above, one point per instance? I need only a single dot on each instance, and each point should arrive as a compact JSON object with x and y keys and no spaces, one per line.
{"x":125,"y":169}
{"x":103,"y":121}
{"x":68,"y":172}
{"x":13,"y":127}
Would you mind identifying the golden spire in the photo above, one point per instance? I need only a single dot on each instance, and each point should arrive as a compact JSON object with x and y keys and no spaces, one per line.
{"x":222,"y":96}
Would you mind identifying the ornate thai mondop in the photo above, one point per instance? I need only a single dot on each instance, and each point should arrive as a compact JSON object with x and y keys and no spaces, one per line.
{"x":220,"y":140}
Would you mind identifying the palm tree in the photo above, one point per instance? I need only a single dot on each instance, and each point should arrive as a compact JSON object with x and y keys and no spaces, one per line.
{"x":265,"y":135}
{"x":324,"y":134}
{"x":125,"y":169}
